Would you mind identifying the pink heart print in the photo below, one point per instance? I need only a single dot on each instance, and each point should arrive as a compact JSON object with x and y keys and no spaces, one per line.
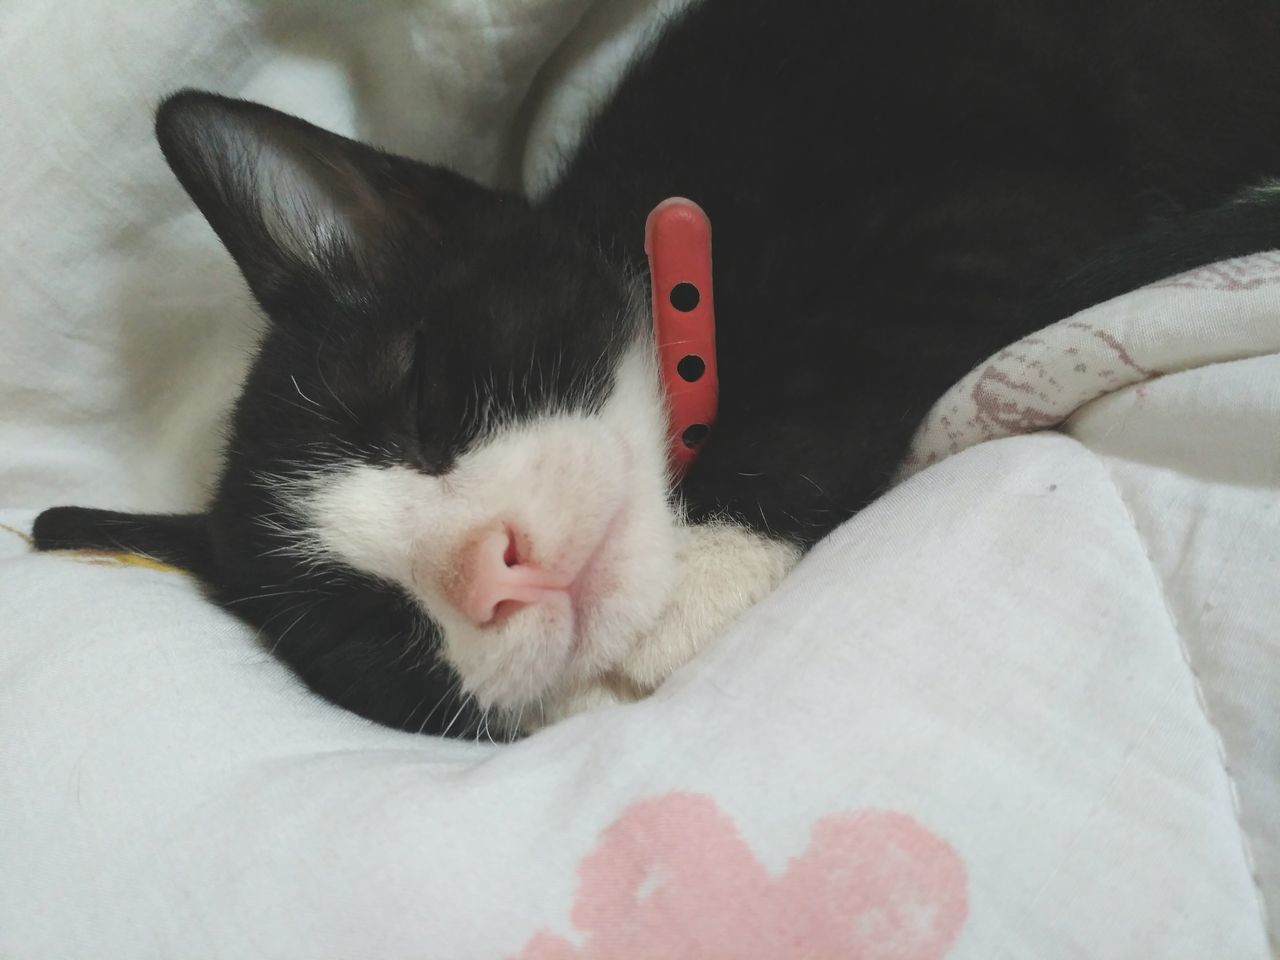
{"x":672,"y":879}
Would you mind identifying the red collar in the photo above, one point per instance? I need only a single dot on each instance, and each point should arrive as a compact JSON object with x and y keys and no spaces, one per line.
{"x":677,"y":239}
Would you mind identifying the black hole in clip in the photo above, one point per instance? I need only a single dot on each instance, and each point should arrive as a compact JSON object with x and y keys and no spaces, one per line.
{"x":694,"y":436}
{"x":684,"y":297}
{"x":691,"y":368}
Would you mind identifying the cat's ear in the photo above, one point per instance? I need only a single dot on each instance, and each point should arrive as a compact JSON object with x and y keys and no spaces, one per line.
{"x":181,"y":540}
{"x":293,"y":203}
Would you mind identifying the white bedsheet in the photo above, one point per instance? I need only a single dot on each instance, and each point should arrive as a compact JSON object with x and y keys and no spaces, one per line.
{"x":1025,"y":705}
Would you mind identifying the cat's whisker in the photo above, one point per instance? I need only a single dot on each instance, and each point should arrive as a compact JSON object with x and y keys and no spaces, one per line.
{"x":763,"y":519}
{"x":519,"y":725}
{"x":280,"y":638}
{"x":263,"y":596}
{"x":325,"y":382}
{"x":450,"y":693}
{"x":410,"y":715}
{"x":461,"y":707}
{"x":294,"y":380}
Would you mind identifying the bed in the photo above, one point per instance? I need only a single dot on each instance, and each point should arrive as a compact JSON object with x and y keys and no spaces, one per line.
{"x":1023,"y":705}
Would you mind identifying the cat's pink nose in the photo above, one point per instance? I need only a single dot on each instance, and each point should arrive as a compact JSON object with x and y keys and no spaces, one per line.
{"x":493,"y":578}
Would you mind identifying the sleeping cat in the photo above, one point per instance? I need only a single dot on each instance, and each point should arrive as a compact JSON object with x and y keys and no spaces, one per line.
{"x":446,"y":503}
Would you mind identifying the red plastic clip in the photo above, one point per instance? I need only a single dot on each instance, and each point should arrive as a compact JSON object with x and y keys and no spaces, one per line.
{"x":677,"y":240}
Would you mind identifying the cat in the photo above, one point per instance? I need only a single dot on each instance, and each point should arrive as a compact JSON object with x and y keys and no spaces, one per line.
{"x":446,"y":504}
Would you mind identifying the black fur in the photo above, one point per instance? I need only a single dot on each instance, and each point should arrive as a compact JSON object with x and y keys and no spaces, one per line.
{"x":896,"y":191}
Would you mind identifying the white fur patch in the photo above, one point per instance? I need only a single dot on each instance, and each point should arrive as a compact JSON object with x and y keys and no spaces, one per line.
{"x":575,"y":485}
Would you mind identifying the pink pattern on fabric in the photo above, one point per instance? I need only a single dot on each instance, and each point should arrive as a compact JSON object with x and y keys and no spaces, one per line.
{"x":672,"y":879}
{"x":1041,"y":380}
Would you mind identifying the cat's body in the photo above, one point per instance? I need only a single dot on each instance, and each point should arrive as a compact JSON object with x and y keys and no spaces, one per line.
{"x":895,"y":188}
{"x":446,"y":486}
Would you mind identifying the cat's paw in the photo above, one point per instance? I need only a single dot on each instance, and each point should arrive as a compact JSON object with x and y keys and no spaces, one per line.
{"x":609,"y":690}
{"x":724,"y":569}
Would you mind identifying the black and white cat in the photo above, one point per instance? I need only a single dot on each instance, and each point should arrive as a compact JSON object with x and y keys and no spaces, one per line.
{"x":446,"y":502}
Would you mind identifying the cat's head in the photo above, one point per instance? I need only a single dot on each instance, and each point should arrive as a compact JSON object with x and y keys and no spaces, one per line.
{"x":455,"y":398}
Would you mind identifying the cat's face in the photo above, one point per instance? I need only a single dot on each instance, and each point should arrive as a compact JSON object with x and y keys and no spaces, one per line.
{"x":455,"y":397}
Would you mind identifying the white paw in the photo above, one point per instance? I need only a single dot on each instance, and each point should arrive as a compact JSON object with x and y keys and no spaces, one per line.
{"x":724,"y":570}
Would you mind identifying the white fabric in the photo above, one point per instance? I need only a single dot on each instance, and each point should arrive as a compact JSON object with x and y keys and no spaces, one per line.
{"x":1023,"y":706}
